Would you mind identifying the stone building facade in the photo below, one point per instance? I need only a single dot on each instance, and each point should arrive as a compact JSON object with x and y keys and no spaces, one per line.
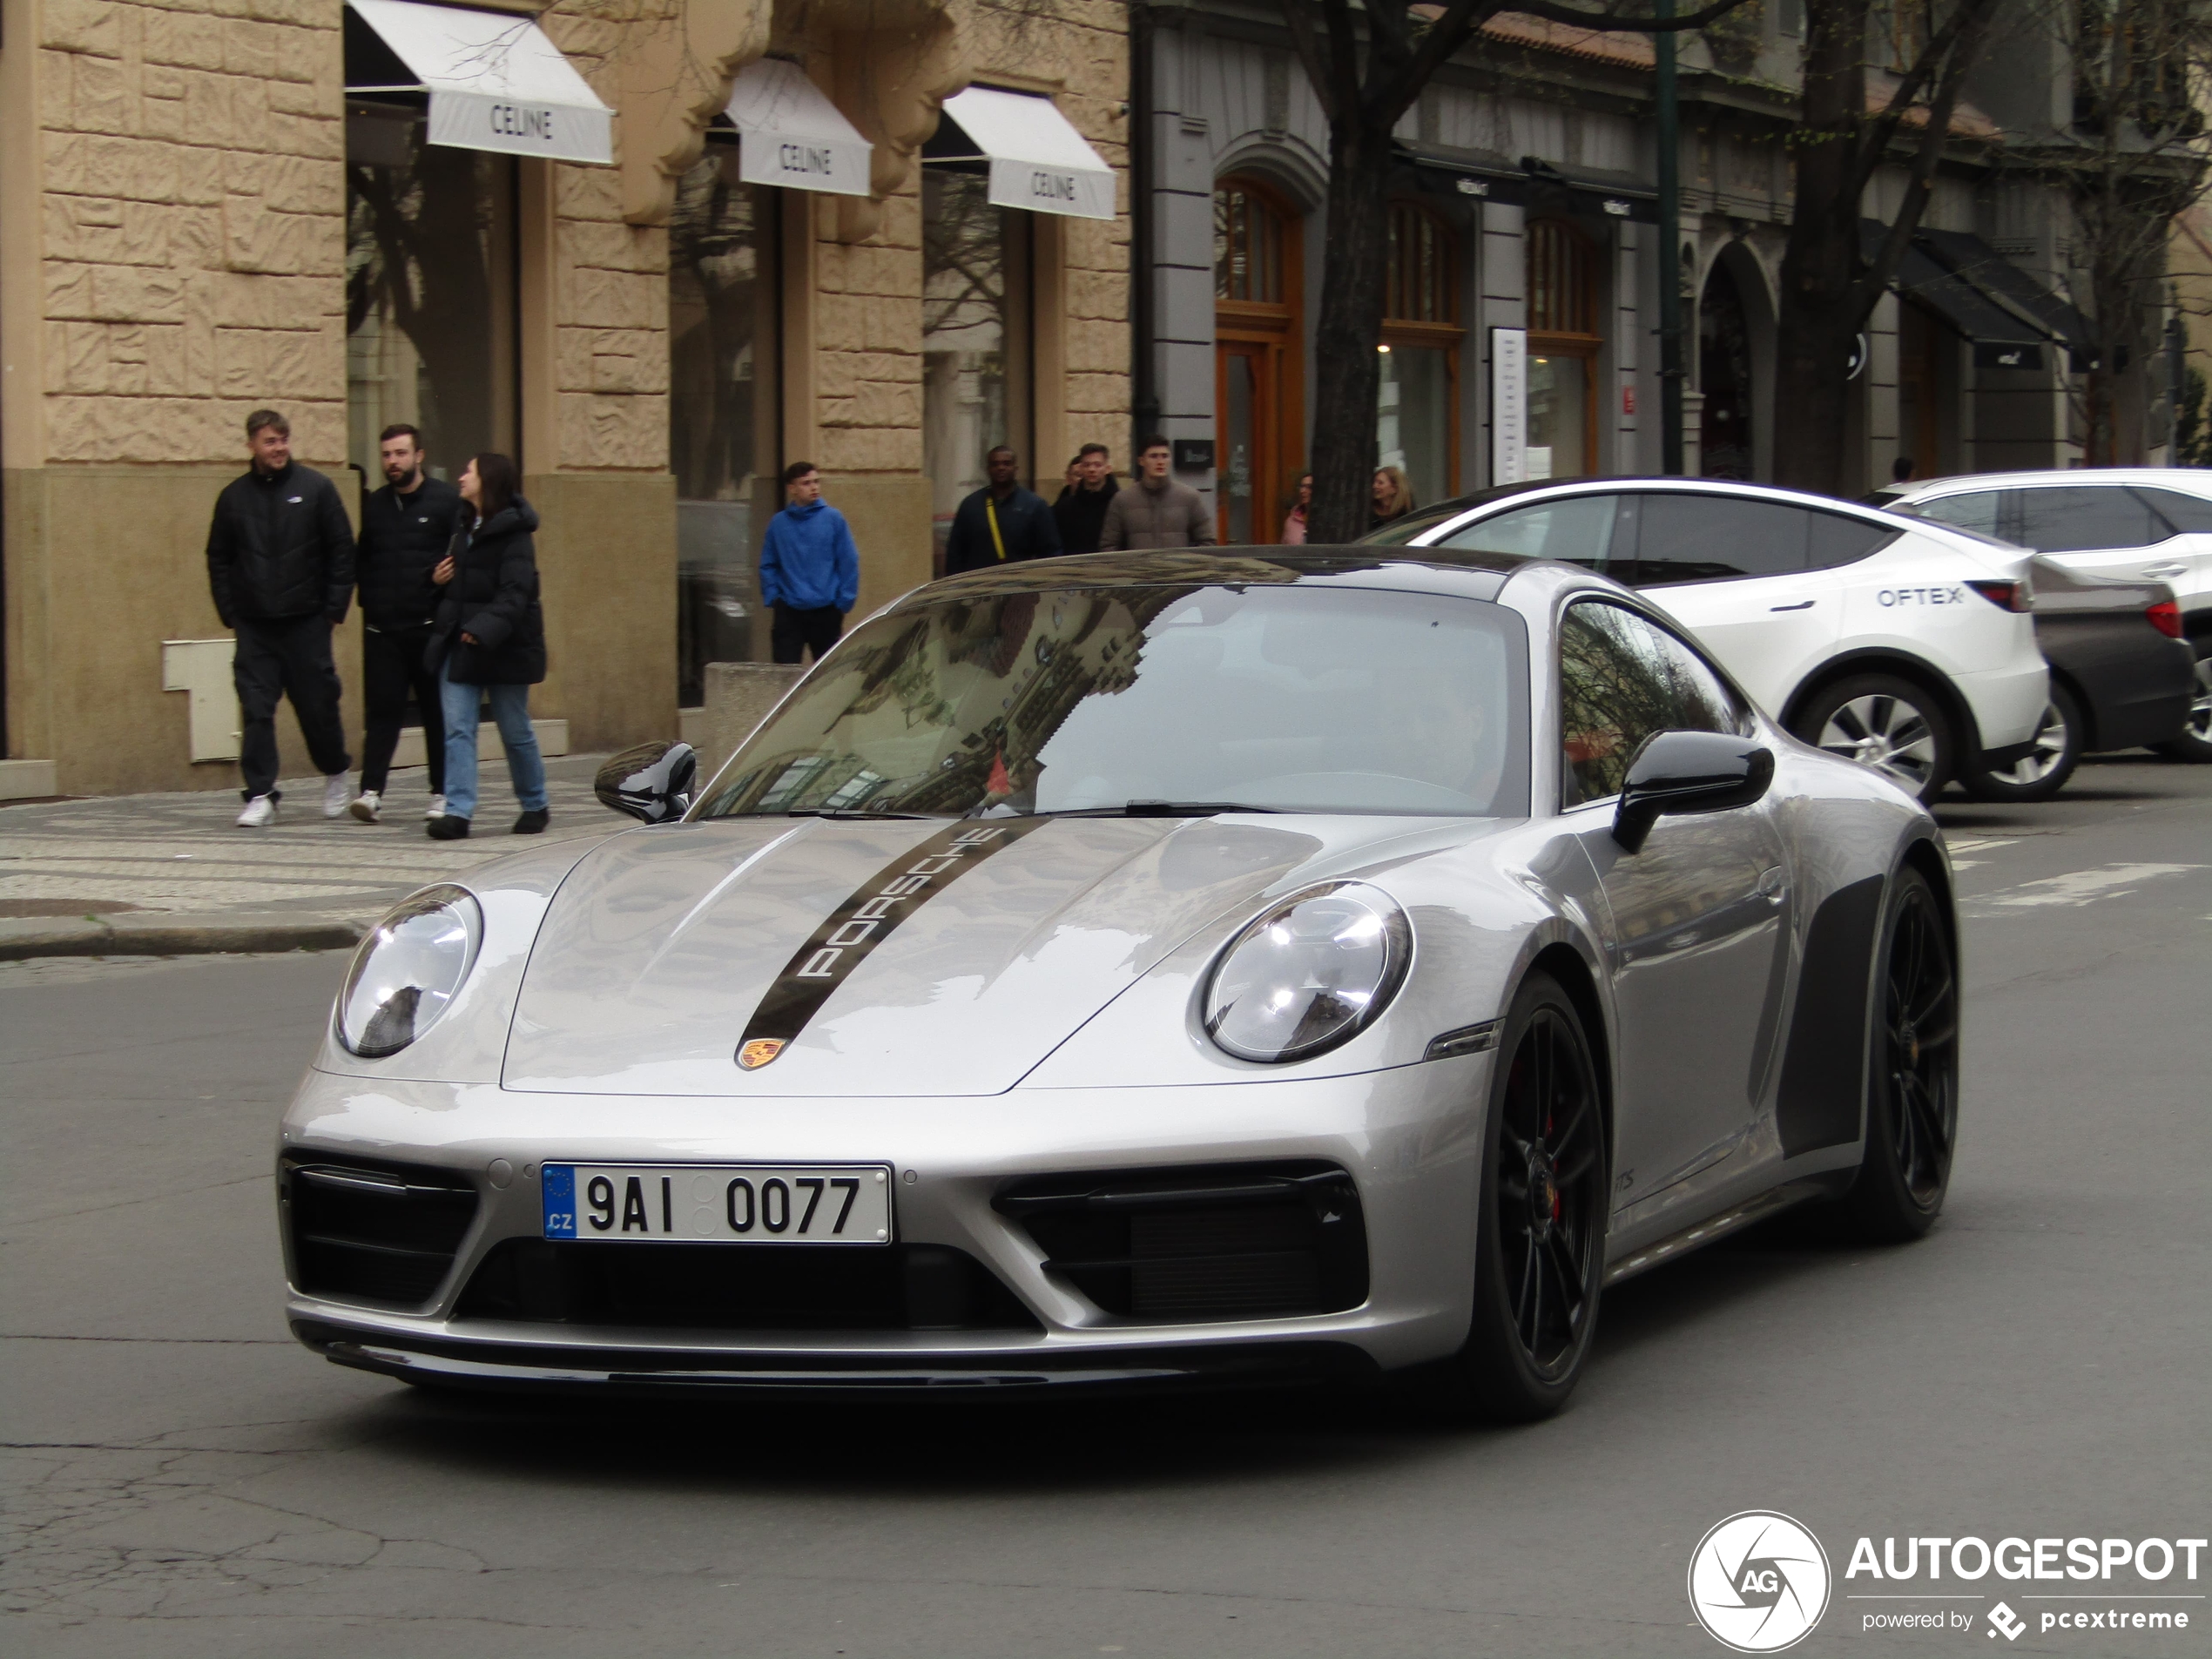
{"x":1525,"y":206}
{"x":216,"y":204}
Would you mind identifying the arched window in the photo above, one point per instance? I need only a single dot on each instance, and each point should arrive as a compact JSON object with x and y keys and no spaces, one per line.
{"x":1563,"y":342}
{"x":1258,"y":418}
{"x":1416,"y":423}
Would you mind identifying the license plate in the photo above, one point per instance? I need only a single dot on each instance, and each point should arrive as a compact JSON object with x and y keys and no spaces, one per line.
{"x":736,"y":1204}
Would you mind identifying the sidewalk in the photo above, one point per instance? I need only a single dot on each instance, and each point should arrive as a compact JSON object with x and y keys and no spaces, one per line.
{"x":170,"y":875}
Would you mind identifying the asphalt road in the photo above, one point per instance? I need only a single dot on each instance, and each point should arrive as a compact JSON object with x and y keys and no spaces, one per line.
{"x":182,"y":1480}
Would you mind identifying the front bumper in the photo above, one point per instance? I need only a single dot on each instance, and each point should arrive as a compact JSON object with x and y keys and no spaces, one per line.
{"x":1408,"y":1137}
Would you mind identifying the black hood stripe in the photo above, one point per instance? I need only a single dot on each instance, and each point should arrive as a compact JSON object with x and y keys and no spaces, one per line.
{"x":863,"y":921}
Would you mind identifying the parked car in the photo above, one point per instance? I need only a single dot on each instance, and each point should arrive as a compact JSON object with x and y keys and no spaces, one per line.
{"x":2122,"y":678}
{"x":2138,"y":524}
{"x":1142,"y":970}
{"x":1910,"y":651}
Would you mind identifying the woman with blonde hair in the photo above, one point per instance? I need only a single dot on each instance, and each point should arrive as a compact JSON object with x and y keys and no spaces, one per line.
{"x":1393,"y":497}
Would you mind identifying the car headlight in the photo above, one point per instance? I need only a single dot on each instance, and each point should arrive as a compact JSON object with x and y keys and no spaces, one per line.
{"x":406,"y":972}
{"x":1308,"y":972}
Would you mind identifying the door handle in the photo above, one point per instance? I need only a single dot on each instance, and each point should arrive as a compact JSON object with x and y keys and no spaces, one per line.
{"x":1802,"y":605}
{"x":1770,"y":884}
{"x":2163,"y":571}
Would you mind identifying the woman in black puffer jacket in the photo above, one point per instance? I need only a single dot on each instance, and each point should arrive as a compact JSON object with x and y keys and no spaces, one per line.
{"x":488,"y":643}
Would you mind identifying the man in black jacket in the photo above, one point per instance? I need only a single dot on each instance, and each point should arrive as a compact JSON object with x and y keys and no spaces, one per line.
{"x":280,"y":563}
{"x":1000,"y":522}
{"x":1081,"y":506}
{"x":406,"y":529}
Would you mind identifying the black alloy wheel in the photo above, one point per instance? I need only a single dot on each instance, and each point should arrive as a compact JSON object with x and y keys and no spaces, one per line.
{"x":1539,"y":1254}
{"x":1913,"y":1085}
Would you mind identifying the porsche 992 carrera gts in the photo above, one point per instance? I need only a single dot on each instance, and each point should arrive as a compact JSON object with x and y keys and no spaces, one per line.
{"x":1151,"y":969}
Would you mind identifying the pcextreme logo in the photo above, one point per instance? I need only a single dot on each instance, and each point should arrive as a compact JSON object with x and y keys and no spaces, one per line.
{"x":1758,"y":1581}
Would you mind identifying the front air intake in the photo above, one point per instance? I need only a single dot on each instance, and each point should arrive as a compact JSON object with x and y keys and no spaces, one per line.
{"x":1220,"y":1242}
{"x":383,"y":1235}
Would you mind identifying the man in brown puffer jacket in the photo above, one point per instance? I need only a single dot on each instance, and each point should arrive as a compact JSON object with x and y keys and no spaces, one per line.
{"x":1153,"y":510}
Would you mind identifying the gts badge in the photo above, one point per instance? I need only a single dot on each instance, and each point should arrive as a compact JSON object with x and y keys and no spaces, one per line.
{"x":863,"y":922}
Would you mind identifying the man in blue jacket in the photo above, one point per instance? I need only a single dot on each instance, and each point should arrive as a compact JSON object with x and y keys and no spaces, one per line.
{"x":810,"y":571}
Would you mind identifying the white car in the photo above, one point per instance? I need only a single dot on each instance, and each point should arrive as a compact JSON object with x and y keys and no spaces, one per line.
{"x":2138,"y":524}
{"x":1907,"y":648}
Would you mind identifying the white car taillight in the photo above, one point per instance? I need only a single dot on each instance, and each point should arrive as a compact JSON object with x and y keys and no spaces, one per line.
{"x":2007,"y":596}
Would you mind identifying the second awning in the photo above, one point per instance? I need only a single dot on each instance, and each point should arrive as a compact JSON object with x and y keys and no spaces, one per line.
{"x":1035,"y":157}
{"x":790,"y":134}
{"x":495,"y":81}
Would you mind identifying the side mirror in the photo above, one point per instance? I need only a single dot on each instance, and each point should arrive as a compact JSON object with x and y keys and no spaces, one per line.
{"x":1688,"y":771}
{"x":652,"y":781}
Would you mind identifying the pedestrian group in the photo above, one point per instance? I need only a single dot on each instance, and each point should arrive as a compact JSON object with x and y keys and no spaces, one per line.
{"x":447,"y":577}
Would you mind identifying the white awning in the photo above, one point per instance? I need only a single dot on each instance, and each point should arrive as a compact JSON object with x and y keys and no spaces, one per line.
{"x":495,"y":81}
{"x":790,"y":134}
{"x":1037,"y":158}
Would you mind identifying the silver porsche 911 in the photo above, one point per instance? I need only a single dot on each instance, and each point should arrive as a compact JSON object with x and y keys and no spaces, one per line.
{"x":1153,"y":968}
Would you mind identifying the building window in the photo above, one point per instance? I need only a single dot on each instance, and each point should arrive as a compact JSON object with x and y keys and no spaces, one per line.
{"x":723,"y":424}
{"x":1562,"y":351}
{"x":431,"y":292}
{"x":1417,"y":426}
{"x":975,"y":348}
{"x":1259,"y":384}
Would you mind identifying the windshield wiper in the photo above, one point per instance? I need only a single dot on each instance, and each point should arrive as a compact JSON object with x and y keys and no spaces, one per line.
{"x":1163,"y":809}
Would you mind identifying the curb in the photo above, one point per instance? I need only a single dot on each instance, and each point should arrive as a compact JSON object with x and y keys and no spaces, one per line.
{"x":174,"y":935}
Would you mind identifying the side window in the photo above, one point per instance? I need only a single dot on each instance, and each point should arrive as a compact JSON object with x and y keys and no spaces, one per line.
{"x":1974,"y":511}
{"x":2076,"y":518}
{"x":1838,"y":540}
{"x":1578,"y":530}
{"x":1703,"y":538}
{"x":2187,"y":514}
{"x":1620,"y":680}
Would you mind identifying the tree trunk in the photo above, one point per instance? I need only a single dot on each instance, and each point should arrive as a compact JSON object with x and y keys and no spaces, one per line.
{"x":1346,"y":374}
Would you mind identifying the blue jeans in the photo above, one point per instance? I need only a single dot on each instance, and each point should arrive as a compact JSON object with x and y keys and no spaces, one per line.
{"x":511,"y":706}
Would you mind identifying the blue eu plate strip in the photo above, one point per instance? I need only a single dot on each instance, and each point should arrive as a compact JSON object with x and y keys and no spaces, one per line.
{"x":559,"y":1187}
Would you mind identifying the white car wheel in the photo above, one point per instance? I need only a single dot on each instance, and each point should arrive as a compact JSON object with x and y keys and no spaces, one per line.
{"x":1886,"y":725}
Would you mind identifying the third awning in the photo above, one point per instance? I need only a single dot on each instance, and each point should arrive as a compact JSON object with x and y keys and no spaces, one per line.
{"x":1035,"y":157}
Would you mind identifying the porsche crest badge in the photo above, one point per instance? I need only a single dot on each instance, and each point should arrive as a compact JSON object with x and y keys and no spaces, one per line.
{"x":759,"y":1052}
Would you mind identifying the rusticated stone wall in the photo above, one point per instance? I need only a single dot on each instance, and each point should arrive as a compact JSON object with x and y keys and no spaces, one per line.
{"x":193,"y":221}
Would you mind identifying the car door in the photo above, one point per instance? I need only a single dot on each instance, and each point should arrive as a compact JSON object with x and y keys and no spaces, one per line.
{"x":2183,"y":563}
{"x":1696,"y":917}
{"x":2103,"y":529}
{"x":1739,"y":574}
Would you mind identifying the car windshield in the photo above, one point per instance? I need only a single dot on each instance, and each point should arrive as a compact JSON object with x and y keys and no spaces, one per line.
{"x":1154,"y":700}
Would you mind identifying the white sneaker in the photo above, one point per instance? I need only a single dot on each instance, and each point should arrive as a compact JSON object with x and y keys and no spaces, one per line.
{"x":260,"y":813}
{"x":436,"y":808}
{"x":334,"y":795}
{"x":367,"y":807}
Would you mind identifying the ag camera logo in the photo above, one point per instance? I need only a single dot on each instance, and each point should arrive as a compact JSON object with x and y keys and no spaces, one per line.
{"x":1759,"y":1581}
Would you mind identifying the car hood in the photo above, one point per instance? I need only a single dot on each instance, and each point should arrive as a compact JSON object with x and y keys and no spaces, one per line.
{"x":666,"y":949}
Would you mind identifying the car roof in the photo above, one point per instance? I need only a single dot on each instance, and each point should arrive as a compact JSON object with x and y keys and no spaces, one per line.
{"x":1735,"y":487}
{"x":1440,"y":570}
{"x":2191,"y":480}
